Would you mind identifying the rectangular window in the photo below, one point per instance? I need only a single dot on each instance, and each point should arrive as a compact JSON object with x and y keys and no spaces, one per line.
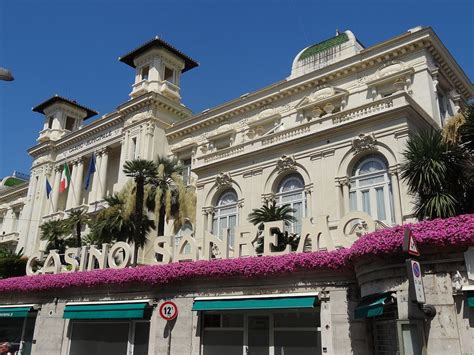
{"x":186,"y":171}
{"x":353,"y":201}
{"x":145,"y":72}
{"x":380,"y":204}
{"x":134,"y":148}
{"x":169,"y":75}
{"x":1,"y":224}
{"x":69,"y":123}
{"x":50,"y":122}
{"x":366,"y":201}
{"x":97,"y":338}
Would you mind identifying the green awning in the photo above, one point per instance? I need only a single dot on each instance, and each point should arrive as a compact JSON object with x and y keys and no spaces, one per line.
{"x":124,"y":310}
{"x":232,"y":304}
{"x":18,"y":311}
{"x":373,"y":305}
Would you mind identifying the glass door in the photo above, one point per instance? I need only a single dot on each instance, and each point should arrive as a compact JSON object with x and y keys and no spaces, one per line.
{"x":258,"y":335}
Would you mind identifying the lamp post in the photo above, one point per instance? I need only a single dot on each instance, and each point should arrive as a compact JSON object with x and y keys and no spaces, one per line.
{"x":5,"y":75}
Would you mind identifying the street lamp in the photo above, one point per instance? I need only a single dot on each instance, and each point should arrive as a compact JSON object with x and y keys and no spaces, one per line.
{"x":5,"y":75}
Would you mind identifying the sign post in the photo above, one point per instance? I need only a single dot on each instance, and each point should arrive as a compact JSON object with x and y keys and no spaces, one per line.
{"x":168,"y":311}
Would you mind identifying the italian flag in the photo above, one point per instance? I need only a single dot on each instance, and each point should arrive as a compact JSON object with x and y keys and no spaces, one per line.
{"x":65,"y":178}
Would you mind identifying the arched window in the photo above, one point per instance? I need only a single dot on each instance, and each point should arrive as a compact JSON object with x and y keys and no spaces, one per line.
{"x":225,"y":215}
{"x":291,"y":192}
{"x":370,"y":189}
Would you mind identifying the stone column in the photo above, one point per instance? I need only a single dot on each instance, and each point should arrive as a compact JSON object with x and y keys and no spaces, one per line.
{"x":345,"y":193}
{"x":209,"y":213}
{"x":55,"y":193}
{"x":96,"y":180}
{"x":309,"y":208}
{"x":123,"y":158}
{"x":393,"y":172}
{"x":78,"y":181}
{"x":70,"y":193}
{"x":147,"y":134}
{"x":103,"y":174}
{"x":339,"y":198}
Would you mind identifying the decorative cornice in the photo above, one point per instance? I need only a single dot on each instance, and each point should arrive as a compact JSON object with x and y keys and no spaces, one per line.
{"x":369,"y":57}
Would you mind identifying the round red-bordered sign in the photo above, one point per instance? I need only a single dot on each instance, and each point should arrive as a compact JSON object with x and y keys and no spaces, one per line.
{"x":168,"y":310}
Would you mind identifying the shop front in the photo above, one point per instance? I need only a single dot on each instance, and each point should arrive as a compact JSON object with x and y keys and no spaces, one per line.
{"x":17,"y":323}
{"x":263,"y":325}
{"x":120,"y":327}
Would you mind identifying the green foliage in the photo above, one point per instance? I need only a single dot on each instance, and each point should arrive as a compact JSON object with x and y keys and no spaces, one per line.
{"x":112,"y":224}
{"x":56,"y":233}
{"x":141,"y":170}
{"x":12,"y":264}
{"x":439,"y":172}
{"x":168,"y":196}
{"x":77,"y":219}
{"x":271,"y":213}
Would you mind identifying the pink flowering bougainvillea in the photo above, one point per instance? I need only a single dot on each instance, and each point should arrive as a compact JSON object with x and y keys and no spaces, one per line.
{"x":456,"y":231}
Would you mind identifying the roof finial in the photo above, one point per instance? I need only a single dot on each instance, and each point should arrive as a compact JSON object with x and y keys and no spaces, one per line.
{"x":337,"y":32}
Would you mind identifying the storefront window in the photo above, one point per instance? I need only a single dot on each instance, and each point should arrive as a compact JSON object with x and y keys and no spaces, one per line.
{"x":16,"y":333}
{"x":96,"y":338}
{"x":283,"y":333}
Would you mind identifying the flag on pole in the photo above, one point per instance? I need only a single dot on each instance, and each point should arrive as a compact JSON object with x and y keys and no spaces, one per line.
{"x":48,"y":189}
{"x":90,"y":173}
{"x":65,"y":178}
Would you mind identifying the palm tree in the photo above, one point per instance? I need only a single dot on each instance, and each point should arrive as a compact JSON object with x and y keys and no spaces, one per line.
{"x":271,"y":213}
{"x":168,"y":196}
{"x":438,"y":170}
{"x":77,"y":218}
{"x":113,"y":224}
{"x":142,"y":171}
{"x":55,"y":232}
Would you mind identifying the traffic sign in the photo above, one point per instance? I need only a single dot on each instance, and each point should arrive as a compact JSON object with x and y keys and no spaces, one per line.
{"x":168,"y":310}
{"x":416,"y":280}
{"x":409,"y":243}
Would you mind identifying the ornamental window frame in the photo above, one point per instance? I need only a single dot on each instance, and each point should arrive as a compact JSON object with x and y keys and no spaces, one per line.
{"x":365,"y":197}
{"x":220,"y":212}
{"x":298,"y":195}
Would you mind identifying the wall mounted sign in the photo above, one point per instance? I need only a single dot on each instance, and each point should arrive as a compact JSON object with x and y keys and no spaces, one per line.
{"x":168,"y":310}
{"x":416,"y":281}
{"x":168,"y":249}
{"x":409,"y":243}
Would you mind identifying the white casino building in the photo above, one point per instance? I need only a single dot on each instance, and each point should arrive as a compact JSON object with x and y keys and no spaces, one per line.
{"x":328,"y":140}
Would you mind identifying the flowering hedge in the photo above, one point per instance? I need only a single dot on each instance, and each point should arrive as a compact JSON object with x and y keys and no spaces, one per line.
{"x":456,"y":231}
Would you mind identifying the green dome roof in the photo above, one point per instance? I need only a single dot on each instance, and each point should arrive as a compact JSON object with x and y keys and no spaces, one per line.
{"x":324,"y":45}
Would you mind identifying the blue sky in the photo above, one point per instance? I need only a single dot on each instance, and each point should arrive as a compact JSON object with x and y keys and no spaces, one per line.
{"x":71,"y":48}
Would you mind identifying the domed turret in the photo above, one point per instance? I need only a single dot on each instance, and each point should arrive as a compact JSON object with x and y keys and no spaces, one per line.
{"x":321,"y":54}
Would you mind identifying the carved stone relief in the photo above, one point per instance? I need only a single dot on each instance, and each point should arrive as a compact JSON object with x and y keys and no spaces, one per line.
{"x":223,"y":179}
{"x":286,"y":163}
{"x":364,"y":142}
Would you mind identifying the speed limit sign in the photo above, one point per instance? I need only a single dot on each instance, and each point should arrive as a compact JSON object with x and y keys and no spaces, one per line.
{"x":168,"y":310}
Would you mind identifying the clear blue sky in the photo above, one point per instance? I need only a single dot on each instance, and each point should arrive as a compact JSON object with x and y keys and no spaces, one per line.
{"x":71,"y":48}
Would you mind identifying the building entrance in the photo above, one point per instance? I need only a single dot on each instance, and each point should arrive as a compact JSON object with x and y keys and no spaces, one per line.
{"x":256,"y":333}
